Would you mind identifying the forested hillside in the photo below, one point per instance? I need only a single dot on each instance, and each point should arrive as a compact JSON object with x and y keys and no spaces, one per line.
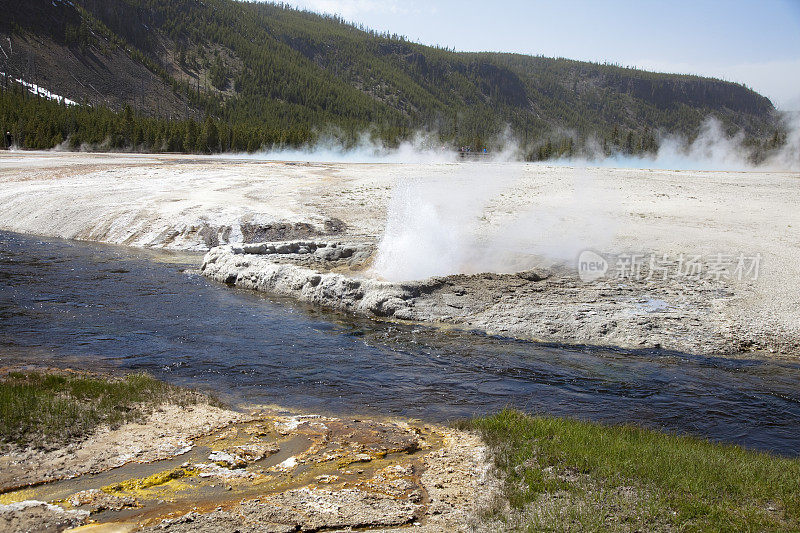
{"x":191,"y":75}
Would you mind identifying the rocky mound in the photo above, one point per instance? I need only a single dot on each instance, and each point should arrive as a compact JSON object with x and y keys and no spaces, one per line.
{"x":552,"y":305}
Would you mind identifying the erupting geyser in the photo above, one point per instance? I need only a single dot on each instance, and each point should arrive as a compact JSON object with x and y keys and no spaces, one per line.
{"x":482,"y":218}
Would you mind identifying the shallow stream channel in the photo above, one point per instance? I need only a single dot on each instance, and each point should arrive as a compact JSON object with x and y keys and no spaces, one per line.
{"x":111,"y":308}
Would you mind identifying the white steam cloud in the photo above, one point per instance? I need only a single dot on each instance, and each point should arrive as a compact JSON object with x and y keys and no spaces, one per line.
{"x":788,"y":157}
{"x":474,"y":218}
{"x":712,"y":149}
{"x":482,"y":218}
{"x":421,"y":148}
{"x":433,"y":223}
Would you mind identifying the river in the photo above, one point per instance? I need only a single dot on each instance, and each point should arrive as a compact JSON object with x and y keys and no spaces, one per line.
{"x":91,"y":306}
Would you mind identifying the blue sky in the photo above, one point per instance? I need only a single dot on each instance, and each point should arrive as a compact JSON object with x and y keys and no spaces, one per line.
{"x":752,"y":42}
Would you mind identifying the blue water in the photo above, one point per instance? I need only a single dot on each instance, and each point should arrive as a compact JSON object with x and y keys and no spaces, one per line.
{"x":64,"y":303}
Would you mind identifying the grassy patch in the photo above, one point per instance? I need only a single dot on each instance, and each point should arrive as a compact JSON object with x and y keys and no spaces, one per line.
{"x":51,"y":408}
{"x":564,"y":474}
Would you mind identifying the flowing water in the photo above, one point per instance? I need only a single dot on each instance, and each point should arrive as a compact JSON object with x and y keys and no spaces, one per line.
{"x":90,"y":306}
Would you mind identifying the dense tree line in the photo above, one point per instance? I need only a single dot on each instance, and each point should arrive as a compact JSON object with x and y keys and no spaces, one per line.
{"x":38,"y":123}
{"x":263,"y":74}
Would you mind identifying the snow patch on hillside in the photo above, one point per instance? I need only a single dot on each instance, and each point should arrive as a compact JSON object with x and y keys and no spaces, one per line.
{"x":41,"y":91}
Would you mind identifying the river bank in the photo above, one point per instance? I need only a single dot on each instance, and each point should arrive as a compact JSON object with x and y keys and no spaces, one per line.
{"x":544,"y":304}
{"x":184,"y":462}
{"x":694,"y":261}
{"x":116,"y":309}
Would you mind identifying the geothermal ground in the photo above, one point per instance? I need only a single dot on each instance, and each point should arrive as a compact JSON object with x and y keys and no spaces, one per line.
{"x":206,"y":468}
{"x":695,"y":261}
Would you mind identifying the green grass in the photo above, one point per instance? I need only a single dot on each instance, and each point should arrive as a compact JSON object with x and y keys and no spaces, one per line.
{"x":48,"y":409}
{"x":562,"y":474}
